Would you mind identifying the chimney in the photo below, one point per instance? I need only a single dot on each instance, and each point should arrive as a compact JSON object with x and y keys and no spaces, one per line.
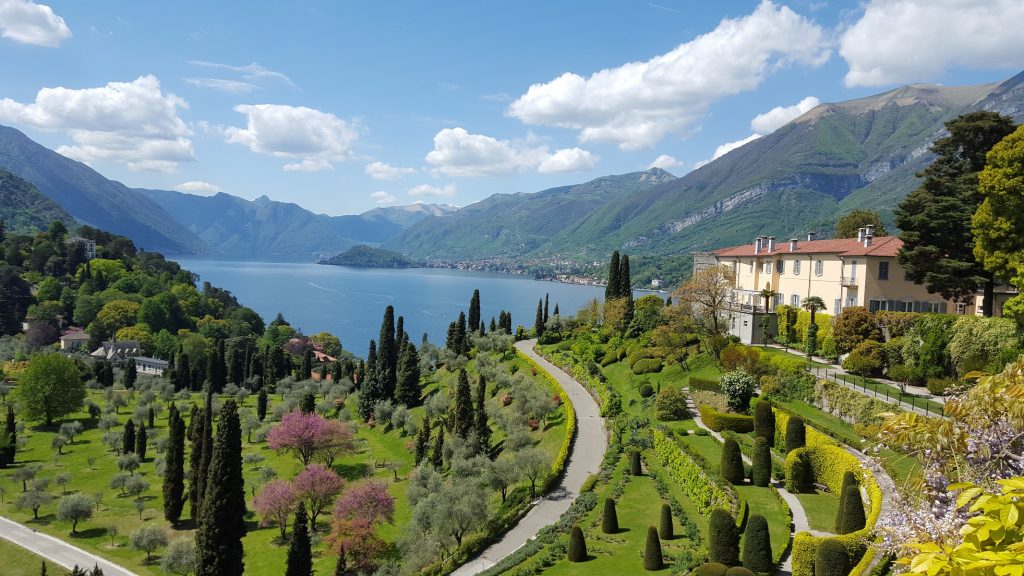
{"x":792,"y":244}
{"x":869,"y":233}
{"x":810,"y":236}
{"x":860,"y":234}
{"x":771,"y":244}
{"x":757,"y":244}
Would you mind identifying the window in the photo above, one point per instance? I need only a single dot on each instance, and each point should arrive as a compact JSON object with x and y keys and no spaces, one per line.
{"x":961,"y":308}
{"x":766,"y":267}
{"x":838,"y":305}
{"x":796,"y":267}
{"x":883,"y":270}
{"x":851,"y":300}
{"x":794,"y":300}
{"x":778,"y":299}
{"x":853,"y":270}
{"x":819,"y":267}
{"x":781,"y":265}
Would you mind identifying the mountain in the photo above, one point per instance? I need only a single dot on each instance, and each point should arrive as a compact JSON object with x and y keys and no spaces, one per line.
{"x":514,"y":225}
{"x":93,"y":199}
{"x":406,"y":216}
{"x":24,"y":209}
{"x":263,"y":228}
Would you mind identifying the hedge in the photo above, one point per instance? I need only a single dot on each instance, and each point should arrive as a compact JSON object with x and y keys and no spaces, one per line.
{"x":813,"y":436}
{"x":704,"y":384}
{"x":647,"y":366}
{"x":558,"y":466}
{"x":795,"y":332}
{"x":719,"y":421}
{"x":690,"y":476}
{"x":611,"y":402}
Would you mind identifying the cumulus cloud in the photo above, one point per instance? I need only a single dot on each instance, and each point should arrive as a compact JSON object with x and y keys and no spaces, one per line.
{"x":134,"y":123}
{"x":198,"y":187}
{"x":383,"y":198}
{"x":383,"y":171}
{"x":902,"y":41}
{"x":315,"y":139}
{"x":724,"y":149}
{"x":568,"y":160}
{"x":447,"y":190}
{"x":30,"y":23}
{"x":458,"y":152}
{"x":779,"y":116}
{"x":639,"y":103}
{"x":665,"y":162}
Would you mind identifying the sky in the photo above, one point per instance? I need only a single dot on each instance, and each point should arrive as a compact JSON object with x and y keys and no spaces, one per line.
{"x":341,"y":107}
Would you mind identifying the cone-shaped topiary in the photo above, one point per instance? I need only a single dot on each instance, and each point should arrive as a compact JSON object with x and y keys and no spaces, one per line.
{"x":665,"y":525}
{"x":852,"y":506}
{"x":849,"y":480}
{"x":738,"y":571}
{"x":761,"y":473}
{"x":723,"y":538}
{"x":757,"y":545}
{"x":712,"y":569}
{"x":634,"y":464}
{"x":764,"y":420}
{"x":732,"y":462}
{"x":653,"y":560}
{"x":610,"y":520}
{"x":801,"y":476}
{"x":831,"y":559}
{"x":577,"y":545}
{"x":796,"y":434}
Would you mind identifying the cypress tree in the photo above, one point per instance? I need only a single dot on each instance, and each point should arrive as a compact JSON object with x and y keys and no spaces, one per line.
{"x":422,"y":440}
{"x":665,"y":528}
{"x":545,"y":308}
{"x":308,"y":404}
{"x":341,"y":567}
{"x":300,"y":554}
{"x":461,"y":338}
{"x":757,"y":546}
{"x":635,"y":468}
{"x":323,"y":372}
{"x":483,"y":431}
{"x":140,"y":442}
{"x":609,"y":518}
{"x":408,"y":390}
{"x":626,"y":290}
{"x":723,"y":538}
{"x":219,"y":372}
{"x":611,"y":290}
{"x":811,"y":343}
{"x":852,"y":511}
{"x":761,"y":474}
{"x":174,"y":468}
{"x":131,"y":374}
{"x":474,"y":310}
{"x":261,"y":404}
{"x":369,"y":395}
{"x":494,"y":326}
{"x":800,"y":478}
{"x":764,"y":420}
{"x":306,"y":368}
{"x":12,"y":435}
{"x":437,"y":454}
{"x":538,"y":322}
{"x":796,"y":434}
{"x":463,"y":423}
{"x":831,"y":559}
{"x":732,"y":462}
{"x":653,"y":559}
{"x":128,"y":437}
{"x":183,"y":374}
{"x":219,"y":549}
{"x":193,"y":420}
{"x":387,"y":354}
{"x":401,"y":337}
{"x":848,"y":479}
{"x":577,"y":545}
{"x":151,"y":414}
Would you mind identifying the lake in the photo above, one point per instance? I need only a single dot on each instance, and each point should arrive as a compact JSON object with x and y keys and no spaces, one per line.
{"x":350,"y":302}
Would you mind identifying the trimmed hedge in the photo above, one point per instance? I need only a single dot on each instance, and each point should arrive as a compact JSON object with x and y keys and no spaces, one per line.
{"x":653,"y":558}
{"x":562,"y":459}
{"x":796,"y":434}
{"x":757,"y":546}
{"x":738,"y":571}
{"x":849,"y":479}
{"x":691,"y":477}
{"x":831,"y":559}
{"x":647,"y":366}
{"x":764,"y":420}
{"x":723,"y":538}
{"x":706,"y":384}
{"x":609,"y":517}
{"x":812,"y":436}
{"x":712,"y":569}
{"x":665,"y":529}
{"x":634,"y":464}
{"x":761,"y":463}
{"x":719,"y":421}
{"x":732,"y":463}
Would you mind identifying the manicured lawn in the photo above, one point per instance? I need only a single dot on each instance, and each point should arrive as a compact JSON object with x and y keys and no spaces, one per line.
{"x":707,"y":447}
{"x":763,"y":502}
{"x":20,"y":562}
{"x":821,"y":509}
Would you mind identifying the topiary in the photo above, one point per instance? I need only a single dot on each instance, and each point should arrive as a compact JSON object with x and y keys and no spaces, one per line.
{"x":577,"y":545}
{"x":761,"y":473}
{"x":764,"y":420}
{"x":796,"y":434}
{"x":852,"y":511}
{"x":738,"y":571}
{"x":732,"y":462}
{"x":609,"y":520}
{"x":665,"y":525}
{"x":849,"y":479}
{"x":634,"y":464}
{"x":757,"y":546}
{"x":723,"y":538}
{"x":653,"y":559}
{"x":831,"y":559}
{"x":646,"y":390}
{"x":712,"y":569}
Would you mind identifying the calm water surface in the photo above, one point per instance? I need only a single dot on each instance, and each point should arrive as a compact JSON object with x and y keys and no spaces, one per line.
{"x":350,"y":302}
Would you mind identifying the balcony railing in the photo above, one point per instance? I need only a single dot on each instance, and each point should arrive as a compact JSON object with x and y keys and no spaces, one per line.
{"x":848,"y":281}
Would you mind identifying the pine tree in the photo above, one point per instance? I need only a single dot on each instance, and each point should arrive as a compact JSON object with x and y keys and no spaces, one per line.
{"x":128,"y":437}
{"x":387,"y":355}
{"x":261,"y":404}
{"x":174,"y":468}
{"x":219,"y":549}
{"x":408,"y":390}
{"x":483,"y":431}
{"x":764,"y":421}
{"x":463,"y":419}
{"x":493,"y":326}
{"x":577,"y":545}
{"x":653,"y":559}
{"x":723,"y":538}
{"x":538,"y":322}
{"x":665,"y":529}
{"x":437,"y":453}
{"x":611,"y":290}
{"x":761,"y":463}
{"x":474,"y":310}
{"x":609,"y":518}
{"x":300,"y":554}
{"x":141,"y":438}
{"x":796,"y":434}
{"x":757,"y":546}
{"x":732,"y":462}
{"x":422,"y":440}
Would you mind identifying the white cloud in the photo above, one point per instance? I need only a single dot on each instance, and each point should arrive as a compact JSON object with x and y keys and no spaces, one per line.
{"x":903,"y":41}
{"x":383,"y":171}
{"x":779,"y":116}
{"x":30,"y":23}
{"x":198,"y":187}
{"x":133,"y":123}
{"x":428,"y":190}
{"x":568,"y":160}
{"x":383,"y":198}
{"x":665,"y":162}
{"x":314,"y":138}
{"x":724,"y":149}
{"x":497,"y":97}
{"x":222,"y":85}
{"x":250,"y":72}
{"x":639,"y":103}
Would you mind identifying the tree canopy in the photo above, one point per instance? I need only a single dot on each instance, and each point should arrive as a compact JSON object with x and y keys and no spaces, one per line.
{"x":50,"y":388}
{"x":849,"y":223}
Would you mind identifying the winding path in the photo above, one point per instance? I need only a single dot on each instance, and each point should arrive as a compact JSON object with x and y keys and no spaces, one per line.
{"x":56,"y":550}
{"x":584,"y":460}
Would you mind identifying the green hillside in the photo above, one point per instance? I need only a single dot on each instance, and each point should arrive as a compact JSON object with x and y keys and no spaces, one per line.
{"x":24,"y":209}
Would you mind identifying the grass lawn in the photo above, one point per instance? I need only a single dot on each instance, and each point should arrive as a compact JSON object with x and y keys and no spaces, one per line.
{"x":763,"y":502}
{"x":707,"y":447}
{"x":20,"y":562}
{"x":821,"y":509}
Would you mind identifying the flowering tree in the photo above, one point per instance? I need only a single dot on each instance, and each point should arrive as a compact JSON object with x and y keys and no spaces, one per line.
{"x":738,"y":387}
{"x":275,"y":503}
{"x":308,"y":435}
{"x":356,"y":515}
{"x":318,"y":486}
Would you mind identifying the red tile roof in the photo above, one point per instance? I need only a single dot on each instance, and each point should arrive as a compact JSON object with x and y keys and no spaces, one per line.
{"x":884,"y":246}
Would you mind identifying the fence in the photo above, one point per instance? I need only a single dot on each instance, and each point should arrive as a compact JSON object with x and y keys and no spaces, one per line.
{"x":881,"y":391}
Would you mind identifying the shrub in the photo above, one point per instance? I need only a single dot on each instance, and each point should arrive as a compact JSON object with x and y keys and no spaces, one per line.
{"x":757,"y":546}
{"x":723,"y":538}
{"x":796,"y":434}
{"x":787,"y":364}
{"x":800,"y":476}
{"x":738,"y":571}
{"x":665,"y":523}
{"x":646,"y":390}
{"x":926,"y":346}
{"x":653,"y":559}
{"x":720,"y":421}
{"x":764,"y":420}
{"x":853,"y":326}
{"x":849,"y":480}
{"x":738,"y":387}
{"x":831,"y":559}
{"x":852,"y":511}
{"x":732,"y":462}
{"x":671,"y":405}
{"x":609,"y":520}
{"x":690,"y":476}
{"x":940,"y":386}
{"x":978,"y":342}
{"x":647,"y":366}
{"x":761,"y":474}
{"x":634,"y":464}
{"x":716,"y":400}
{"x":577,"y":545}
{"x":712,"y":569}
{"x":704,"y":384}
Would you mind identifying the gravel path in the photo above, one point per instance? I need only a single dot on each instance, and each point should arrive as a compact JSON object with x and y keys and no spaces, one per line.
{"x":585,"y":459}
{"x":56,"y":550}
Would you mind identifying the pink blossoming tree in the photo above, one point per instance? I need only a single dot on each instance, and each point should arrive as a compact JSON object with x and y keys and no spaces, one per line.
{"x":275,"y":504}
{"x":356,"y":515}
{"x":311,"y":435}
{"x":318,"y":486}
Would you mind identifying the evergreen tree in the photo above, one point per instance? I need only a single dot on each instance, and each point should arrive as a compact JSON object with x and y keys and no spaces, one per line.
{"x":401,"y":336}
{"x":761,"y":473}
{"x":611,"y":290}
{"x":474,"y":310}
{"x":849,"y":480}
{"x":408,"y":390}
{"x":387,"y":355}
{"x":341,"y":567}
{"x":609,"y":518}
{"x":371,"y":361}
{"x":174,"y":468}
{"x":151,"y":416}
{"x":463,"y":417}
{"x":852,"y":507}
{"x":422,"y":440}
{"x":723,"y":538}
{"x":220,"y":371}
{"x":308,"y":403}
{"x":219,"y":549}
{"x":128,"y":437}
{"x":665,"y":528}
{"x":831,"y":559}
{"x":131,"y":374}
{"x":437,"y":453}
{"x":12,"y":435}
{"x":796,"y":434}
{"x":545,"y":309}
{"x":182,"y":373}
{"x":201,"y":439}
{"x":140,"y":442}
{"x":261,"y":404}
{"x":371,"y":393}
{"x":653,"y":559}
{"x":635,"y":467}
{"x":323,"y":372}
{"x":493,"y":326}
{"x":757,"y":546}
{"x":732,"y":462}
{"x":556,"y":309}
{"x":306,"y":368}
{"x":626,"y":289}
{"x":577,"y":545}
{"x":764,"y":421}
{"x":300,"y":553}
{"x":538,"y":322}
{"x":461,"y":337}
{"x":800,"y":477}
{"x":483,"y":431}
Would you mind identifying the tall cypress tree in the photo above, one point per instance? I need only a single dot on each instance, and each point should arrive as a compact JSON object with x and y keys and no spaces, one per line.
{"x":483,"y":431}
{"x":174,"y":468}
{"x":474,"y":310}
{"x":261,"y":404}
{"x":141,"y":439}
{"x":401,"y":336}
{"x":626,"y":289}
{"x":437,"y":453}
{"x":183,"y":373}
{"x":545,"y":308}
{"x":300,"y":554}
{"x":611,"y":290}
{"x":461,"y":335}
{"x":219,"y":549}
{"x":306,"y":368}
{"x":387,"y":355}
{"x":463,"y":421}
{"x":422,"y":440}
{"x":538,"y":321}
{"x":371,"y":361}
{"x":128,"y":437}
{"x":131,"y":374}
{"x":195,"y":475}
{"x":407,"y":389}
{"x":12,"y":435}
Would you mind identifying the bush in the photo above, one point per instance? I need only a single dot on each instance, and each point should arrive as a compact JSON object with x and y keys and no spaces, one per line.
{"x":634,"y":464}
{"x":671,"y":405}
{"x":653,"y":559}
{"x":609,"y":520}
{"x":852,"y":515}
{"x":831,"y":559}
{"x":665,"y":528}
{"x":732,"y":462}
{"x":723,"y":538}
{"x":978,"y":343}
{"x":800,"y":476}
{"x":704,"y":384}
{"x":849,"y":480}
{"x":940,"y":386}
{"x":761,"y":474}
{"x":647,"y":366}
{"x":720,"y":421}
{"x":866,"y":359}
{"x":712,"y":569}
{"x":738,"y":387}
{"x":757,"y":546}
{"x":738,"y":571}
{"x":646,"y":390}
{"x":690,"y":476}
{"x":764,"y":420}
{"x":853,"y":326}
{"x":796,"y":434}
{"x":577,"y":545}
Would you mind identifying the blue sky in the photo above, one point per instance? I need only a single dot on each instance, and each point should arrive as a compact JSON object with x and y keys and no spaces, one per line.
{"x":342,"y":106}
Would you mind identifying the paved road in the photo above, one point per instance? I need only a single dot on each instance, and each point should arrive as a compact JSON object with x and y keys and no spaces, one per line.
{"x":56,"y":550}
{"x":585,"y":459}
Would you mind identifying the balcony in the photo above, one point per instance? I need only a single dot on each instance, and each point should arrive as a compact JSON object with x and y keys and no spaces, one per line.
{"x":848,"y":282}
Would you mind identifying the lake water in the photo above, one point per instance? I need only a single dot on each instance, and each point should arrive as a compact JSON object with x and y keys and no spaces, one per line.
{"x":350,"y":302}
